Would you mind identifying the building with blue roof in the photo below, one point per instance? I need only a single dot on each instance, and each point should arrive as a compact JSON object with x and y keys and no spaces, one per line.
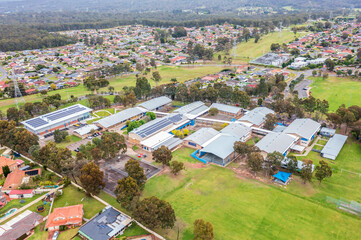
{"x":282,"y":177}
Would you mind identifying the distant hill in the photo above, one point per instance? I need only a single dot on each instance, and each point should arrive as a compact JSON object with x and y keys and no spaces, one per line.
{"x":212,"y":6}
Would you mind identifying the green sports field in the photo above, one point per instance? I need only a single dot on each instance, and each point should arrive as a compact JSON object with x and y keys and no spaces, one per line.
{"x":167,"y":73}
{"x":337,"y":91}
{"x":247,"y":51}
{"x":241,"y":208}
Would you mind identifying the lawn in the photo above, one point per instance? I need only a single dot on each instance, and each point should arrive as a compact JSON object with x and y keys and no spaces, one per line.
{"x":16,"y":203}
{"x":134,"y":230}
{"x":64,"y":143}
{"x":322,"y":142}
{"x":246,"y":209}
{"x":72,"y":196}
{"x":247,"y":51}
{"x":337,"y":91}
{"x":167,"y":73}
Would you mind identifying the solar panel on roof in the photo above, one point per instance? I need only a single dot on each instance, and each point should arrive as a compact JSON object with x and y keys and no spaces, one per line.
{"x":65,"y":113}
{"x":36,"y":122}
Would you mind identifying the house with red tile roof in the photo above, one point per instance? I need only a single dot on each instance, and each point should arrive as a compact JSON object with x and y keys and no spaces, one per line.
{"x":4,"y":161}
{"x":13,"y":180}
{"x":66,"y":216}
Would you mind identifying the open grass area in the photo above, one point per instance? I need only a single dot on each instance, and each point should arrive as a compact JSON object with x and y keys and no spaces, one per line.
{"x":39,"y":233}
{"x":337,"y":91}
{"x":241,"y":208}
{"x":68,"y":234}
{"x":247,"y":51}
{"x":322,"y":142}
{"x":167,"y":73}
{"x":64,"y":143}
{"x":72,"y":196}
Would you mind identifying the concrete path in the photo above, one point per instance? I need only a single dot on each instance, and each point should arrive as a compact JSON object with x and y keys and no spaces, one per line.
{"x":309,"y":148}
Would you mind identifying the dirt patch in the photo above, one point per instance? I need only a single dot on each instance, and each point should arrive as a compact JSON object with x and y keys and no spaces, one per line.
{"x":243,"y":173}
{"x":195,"y":165}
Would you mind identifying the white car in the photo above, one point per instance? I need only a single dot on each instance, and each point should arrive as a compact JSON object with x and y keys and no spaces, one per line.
{"x":56,"y":235}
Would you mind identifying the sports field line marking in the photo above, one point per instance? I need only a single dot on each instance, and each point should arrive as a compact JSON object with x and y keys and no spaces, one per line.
{"x":185,"y":188}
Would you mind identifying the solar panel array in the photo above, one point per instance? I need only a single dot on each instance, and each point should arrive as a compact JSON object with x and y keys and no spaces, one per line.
{"x":166,"y":121}
{"x":63,"y":113}
{"x":36,"y":122}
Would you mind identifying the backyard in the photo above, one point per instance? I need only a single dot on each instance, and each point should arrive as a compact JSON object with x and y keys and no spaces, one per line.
{"x":337,"y":91}
{"x":240,"y":208}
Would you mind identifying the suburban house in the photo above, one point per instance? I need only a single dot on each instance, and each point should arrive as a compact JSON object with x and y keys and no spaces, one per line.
{"x":85,"y":131}
{"x":119,"y":119}
{"x":57,"y":120}
{"x":3,"y":199}
{"x":276,"y":142}
{"x":4,"y":161}
{"x":25,"y":193}
{"x":304,"y":128}
{"x":168,"y":123}
{"x":13,"y":181}
{"x":227,"y":109}
{"x":160,"y":139}
{"x":65,"y":216}
{"x":200,"y":137}
{"x":21,"y":226}
{"x":106,"y":225}
{"x":156,"y":104}
{"x":333,"y":146}
{"x":257,"y":116}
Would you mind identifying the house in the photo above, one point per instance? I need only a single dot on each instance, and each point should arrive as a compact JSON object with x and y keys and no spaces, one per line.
{"x":257,"y":116}
{"x":119,"y":119}
{"x":333,"y":146}
{"x":71,"y":216}
{"x":26,"y":193}
{"x":21,"y":226}
{"x":200,"y":137}
{"x":304,"y":128}
{"x":156,"y":104}
{"x":4,"y":161}
{"x":276,"y":142}
{"x":106,"y":225}
{"x":227,"y":109}
{"x":85,"y":131}
{"x":57,"y":120}
{"x":13,"y":181}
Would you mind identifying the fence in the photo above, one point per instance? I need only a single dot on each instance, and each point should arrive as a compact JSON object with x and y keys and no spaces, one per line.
{"x":349,"y":206}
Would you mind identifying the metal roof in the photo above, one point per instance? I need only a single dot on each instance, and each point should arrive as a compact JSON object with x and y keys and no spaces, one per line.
{"x":56,"y":117}
{"x":189,"y":107}
{"x":158,"y":124}
{"x":221,"y":146}
{"x":236,"y":129}
{"x":278,"y":142}
{"x":106,"y":225}
{"x":334,"y":146}
{"x":226,"y":108}
{"x":120,"y":117}
{"x":257,"y":116}
{"x":156,"y":139}
{"x":86,"y":129}
{"x":155,"y":103}
{"x":202,"y":136}
{"x":303,"y":127}
{"x":327,"y":131}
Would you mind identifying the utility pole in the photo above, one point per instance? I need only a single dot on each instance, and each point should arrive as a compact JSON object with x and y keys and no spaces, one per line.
{"x":18,"y":96}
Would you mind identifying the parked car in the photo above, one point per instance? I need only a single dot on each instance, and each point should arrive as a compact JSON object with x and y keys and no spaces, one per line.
{"x":55,"y":236}
{"x":89,"y":137}
{"x":76,"y":150}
